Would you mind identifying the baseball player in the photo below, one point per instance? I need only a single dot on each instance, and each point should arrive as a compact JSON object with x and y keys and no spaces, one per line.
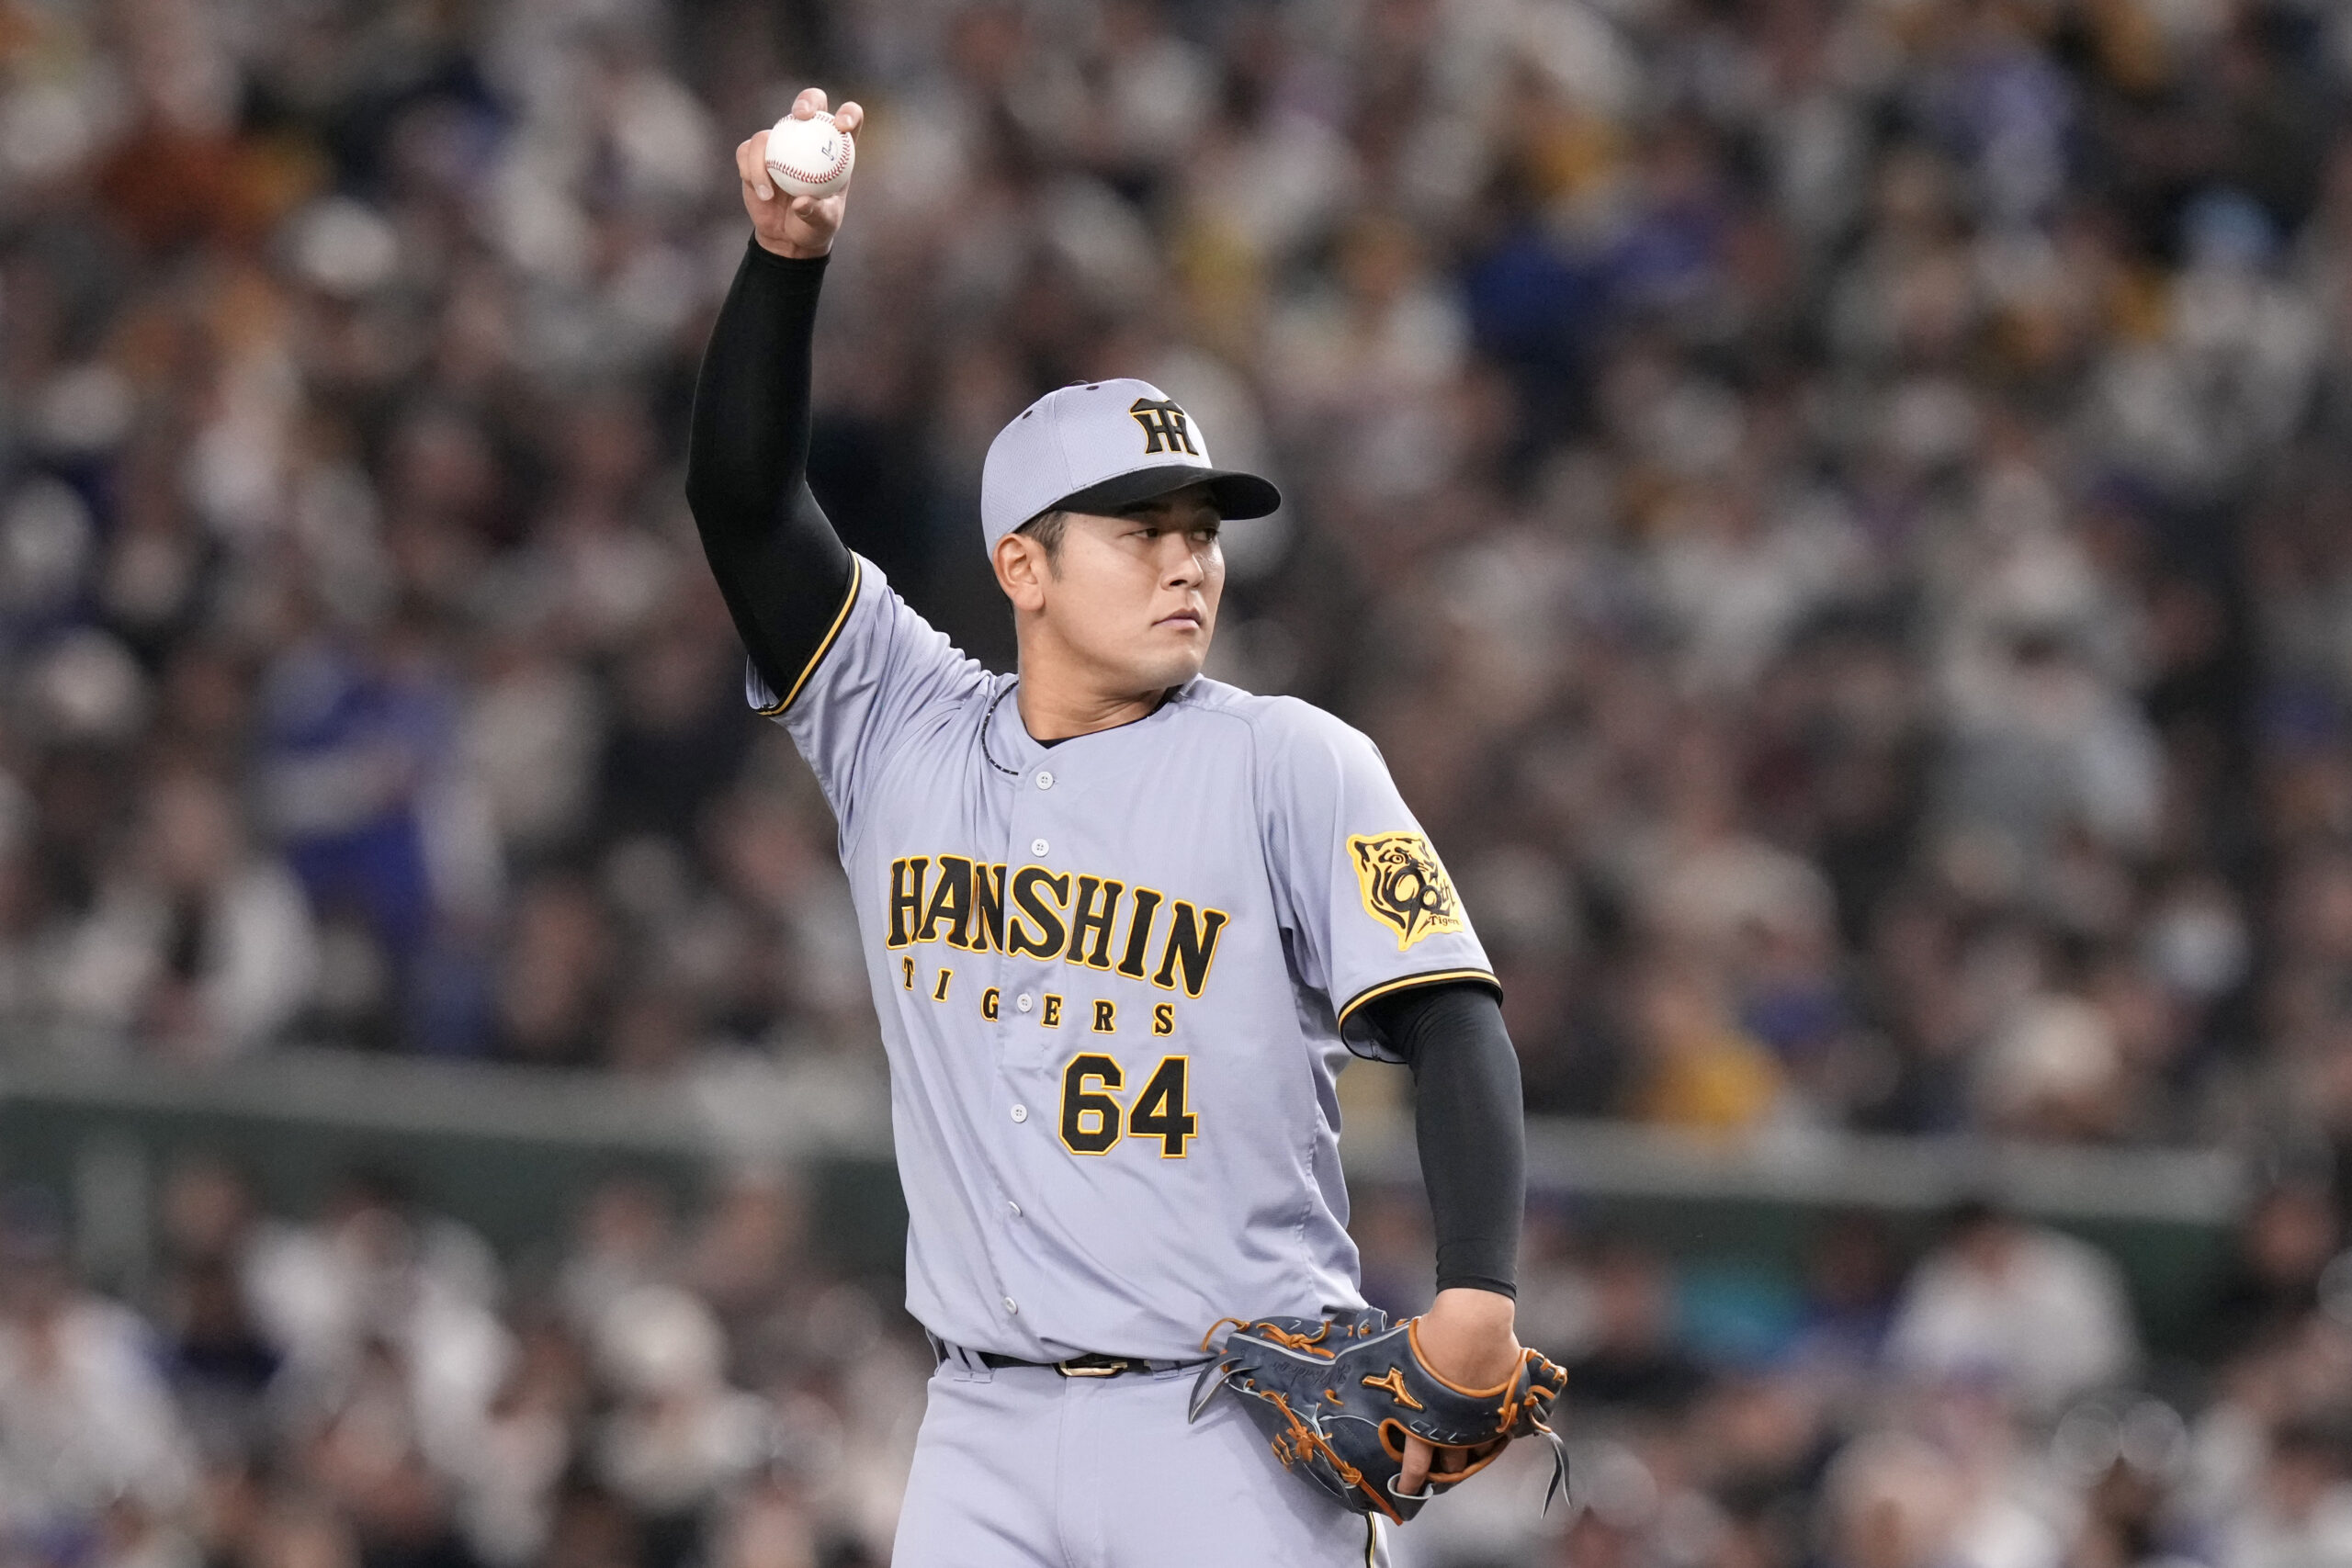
{"x":1123,"y":926}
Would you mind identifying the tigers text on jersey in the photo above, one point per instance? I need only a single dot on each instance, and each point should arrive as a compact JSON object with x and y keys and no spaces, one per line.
{"x":1112,"y":977}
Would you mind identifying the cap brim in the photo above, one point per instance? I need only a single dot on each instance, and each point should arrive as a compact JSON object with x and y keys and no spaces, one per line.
{"x":1233,"y":493}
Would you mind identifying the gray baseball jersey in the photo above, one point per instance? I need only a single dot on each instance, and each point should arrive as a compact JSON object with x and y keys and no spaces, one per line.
{"x":1116,"y":979}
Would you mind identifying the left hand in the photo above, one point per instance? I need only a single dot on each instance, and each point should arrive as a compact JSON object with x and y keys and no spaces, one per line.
{"x":1467,"y":1337}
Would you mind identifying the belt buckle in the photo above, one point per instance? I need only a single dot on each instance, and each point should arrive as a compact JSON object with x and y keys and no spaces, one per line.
{"x":1070,"y":1369}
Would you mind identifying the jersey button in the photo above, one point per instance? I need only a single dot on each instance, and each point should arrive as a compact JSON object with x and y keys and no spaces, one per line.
{"x":1021,"y":1113}
{"x":1044,"y":780}
{"x":1036,"y":846}
{"x":1012,"y":1307}
{"x":1012,"y":1208}
{"x":1024,"y":1001}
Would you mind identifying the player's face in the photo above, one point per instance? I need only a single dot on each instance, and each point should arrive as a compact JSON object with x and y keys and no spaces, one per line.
{"x":1135,"y":596}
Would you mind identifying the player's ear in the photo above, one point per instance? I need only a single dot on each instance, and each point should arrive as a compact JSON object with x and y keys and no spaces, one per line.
{"x":1020,"y":563}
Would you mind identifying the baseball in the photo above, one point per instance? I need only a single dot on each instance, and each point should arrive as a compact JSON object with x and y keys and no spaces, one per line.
{"x":809,"y":157}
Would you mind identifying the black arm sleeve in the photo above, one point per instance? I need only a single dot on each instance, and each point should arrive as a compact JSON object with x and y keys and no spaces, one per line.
{"x":1471,"y":1125}
{"x":785,"y":573}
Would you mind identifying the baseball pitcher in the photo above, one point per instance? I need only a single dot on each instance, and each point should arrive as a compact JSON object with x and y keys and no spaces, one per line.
{"x":1123,"y":926}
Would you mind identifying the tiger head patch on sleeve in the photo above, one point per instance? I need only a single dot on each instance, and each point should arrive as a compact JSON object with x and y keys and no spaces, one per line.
{"x":1405,"y":887}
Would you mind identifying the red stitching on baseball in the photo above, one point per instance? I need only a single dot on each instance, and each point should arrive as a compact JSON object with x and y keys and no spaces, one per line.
{"x":841,"y":161}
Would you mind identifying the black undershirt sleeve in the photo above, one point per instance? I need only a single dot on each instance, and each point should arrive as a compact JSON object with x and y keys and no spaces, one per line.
{"x":785,"y":573}
{"x":1471,"y":1125}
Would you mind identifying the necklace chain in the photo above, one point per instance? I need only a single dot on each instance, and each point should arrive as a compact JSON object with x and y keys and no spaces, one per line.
{"x":987,"y":721}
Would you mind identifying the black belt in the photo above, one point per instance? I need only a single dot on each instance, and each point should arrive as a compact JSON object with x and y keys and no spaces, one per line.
{"x":1091,"y":1365}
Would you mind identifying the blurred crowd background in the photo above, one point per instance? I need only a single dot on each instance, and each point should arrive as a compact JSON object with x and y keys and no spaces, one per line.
{"x":1837,"y":512}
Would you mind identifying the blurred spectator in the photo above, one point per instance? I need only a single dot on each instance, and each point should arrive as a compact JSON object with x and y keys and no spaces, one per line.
{"x":2038,"y":1314}
{"x":624,"y":1242}
{"x":1635,"y":1357}
{"x":385,"y":1304}
{"x":1893,"y":1502}
{"x":90,"y":1441}
{"x":2290,"y":1237}
{"x":680,"y":1435}
{"x":2301,"y":1509}
{"x":1702,"y":1071}
{"x":1852,"y":1275}
{"x":222,"y":1368}
{"x":200,"y":944}
{"x":524,"y":1444}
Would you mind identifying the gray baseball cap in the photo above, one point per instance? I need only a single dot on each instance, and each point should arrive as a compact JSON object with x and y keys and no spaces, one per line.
{"x":1099,"y":445}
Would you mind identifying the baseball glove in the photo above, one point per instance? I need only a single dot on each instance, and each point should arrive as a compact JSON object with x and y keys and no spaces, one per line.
{"x":1336,"y":1398}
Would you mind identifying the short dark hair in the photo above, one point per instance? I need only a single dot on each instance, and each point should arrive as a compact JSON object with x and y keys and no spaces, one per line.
{"x":1047,"y":528}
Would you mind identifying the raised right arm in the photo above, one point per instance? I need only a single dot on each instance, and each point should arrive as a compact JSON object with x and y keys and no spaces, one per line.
{"x":786,"y":575}
{"x":783,"y":570}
